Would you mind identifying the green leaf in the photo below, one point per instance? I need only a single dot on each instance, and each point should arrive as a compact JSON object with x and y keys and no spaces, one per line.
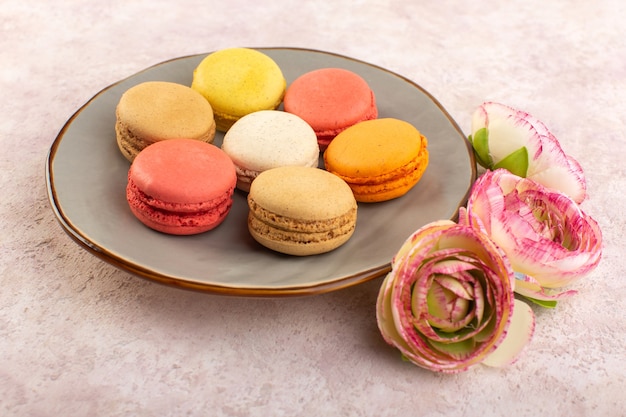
{"x":516,"y":162}
{"x":480,"y":143}
{"x":542,"y":303}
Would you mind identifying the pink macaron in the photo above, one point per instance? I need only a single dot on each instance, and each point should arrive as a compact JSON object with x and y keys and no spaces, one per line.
{"x":330,"y":100}
{"x":181,"y":186}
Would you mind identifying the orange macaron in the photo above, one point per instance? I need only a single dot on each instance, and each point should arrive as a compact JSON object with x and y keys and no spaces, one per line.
{"x":380,"y":159}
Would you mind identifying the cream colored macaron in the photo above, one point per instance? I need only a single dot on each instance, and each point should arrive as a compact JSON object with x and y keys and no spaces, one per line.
{"x":158,"y":110}
{"x":301,"y":211}
{"x":269,"y":139}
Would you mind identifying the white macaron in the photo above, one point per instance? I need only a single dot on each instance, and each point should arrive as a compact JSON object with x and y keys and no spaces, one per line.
{"x":269,"y":139}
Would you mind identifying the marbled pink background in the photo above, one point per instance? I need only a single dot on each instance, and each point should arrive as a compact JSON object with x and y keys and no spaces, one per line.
{"x":79,"y":337}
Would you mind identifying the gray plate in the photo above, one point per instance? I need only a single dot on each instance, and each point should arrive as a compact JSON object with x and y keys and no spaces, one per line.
{"x":86,"y":177}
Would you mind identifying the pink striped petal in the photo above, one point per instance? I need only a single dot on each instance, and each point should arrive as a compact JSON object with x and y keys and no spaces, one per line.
{"x":447,"y":303}
{"x":510,"y":129}
{"x":519,"y":333}
{"x":544,"y":233}
{"x":529,"y":287}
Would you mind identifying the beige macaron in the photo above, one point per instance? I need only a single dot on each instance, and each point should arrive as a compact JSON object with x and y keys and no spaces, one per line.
{"x":269,"y":139}
{"x":158,"y":110}
{"x":300,"y":210}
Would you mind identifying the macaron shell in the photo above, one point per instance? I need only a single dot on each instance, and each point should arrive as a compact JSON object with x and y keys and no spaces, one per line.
{"x":301,"y":193}
{"x":379,"y":159}
{"x":239,"y":81}
{"x":181,"y":186}
{"x":183,"y":171}
{"x":297,"y":244}
{"x":301,"y":211}
{"x":158,"y":110}
{"x":330,"y":100}
{"x":191,"y":220}
{"x":394,"y":186}
{"x":269,"y":139}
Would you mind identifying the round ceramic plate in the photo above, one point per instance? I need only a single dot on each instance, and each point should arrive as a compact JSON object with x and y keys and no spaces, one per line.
{"x":86,"y":177}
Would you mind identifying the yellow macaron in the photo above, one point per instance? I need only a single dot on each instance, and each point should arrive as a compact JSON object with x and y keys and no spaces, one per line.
{"x":380,"y":159}
{"x":239,"y":81}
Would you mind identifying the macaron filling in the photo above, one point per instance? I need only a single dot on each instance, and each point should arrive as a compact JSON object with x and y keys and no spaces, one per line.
{"x":392,"y":184}
{"x":131,"y":144}
{"x":331,"y":100}
{"x":153,"y":111}
{"x":267,"y":222}
{"x":200,"y":217}
{"x":277,"y":232}
{"x":379,"y":159}
{"x":326,"y":135}
{"x":301,"y":211}
{"x":181,"y":186}
{"x":269,"y":139}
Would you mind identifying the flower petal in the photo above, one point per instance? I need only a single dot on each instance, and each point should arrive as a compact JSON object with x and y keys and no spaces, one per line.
{"x":509,"y":130}
{"x":507,"y":135}
{"x":568,"y":179}
{"x":543,"y":232}
{"x":519,"y":333}
{"x":447,"y":301}
{"x":384,"y":315}
{"x":529,"y":287}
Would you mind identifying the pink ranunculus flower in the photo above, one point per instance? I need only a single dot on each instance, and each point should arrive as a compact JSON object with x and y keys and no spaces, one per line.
{"x":448,"y":302}
{"x":548,"y":239}
{"x":504,"y":137}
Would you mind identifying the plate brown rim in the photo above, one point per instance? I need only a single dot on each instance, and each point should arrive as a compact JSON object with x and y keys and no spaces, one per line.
{"x":142,"y":272}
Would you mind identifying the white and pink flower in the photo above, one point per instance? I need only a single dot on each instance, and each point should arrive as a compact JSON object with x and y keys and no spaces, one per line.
{"x":503,"y":137}
{"x":448,"y":302}
{"x":548,"y":239}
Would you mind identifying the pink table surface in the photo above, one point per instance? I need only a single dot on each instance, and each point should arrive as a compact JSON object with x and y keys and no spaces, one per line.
{"x":80,"y":337}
